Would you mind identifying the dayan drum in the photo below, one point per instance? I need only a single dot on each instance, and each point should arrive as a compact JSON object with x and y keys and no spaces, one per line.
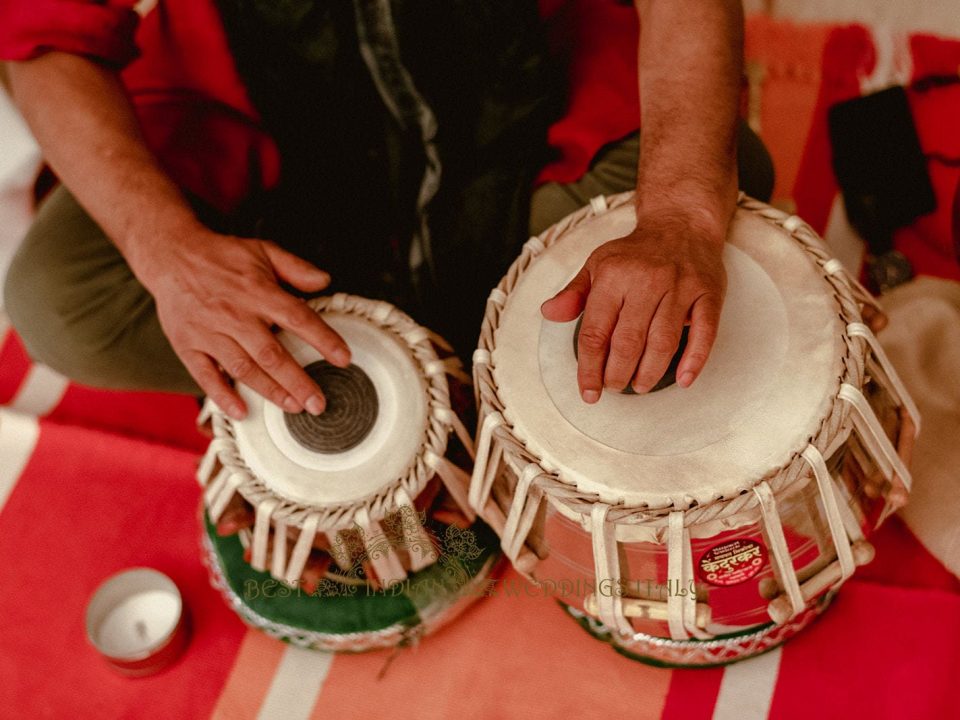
{"x":356,"y":534}
{"x":703,"y":525}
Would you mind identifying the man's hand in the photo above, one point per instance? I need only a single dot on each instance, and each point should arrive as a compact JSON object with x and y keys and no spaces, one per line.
{"x":217,"y":300}
{"x":217,"y":297}
{"x":636,"y":293}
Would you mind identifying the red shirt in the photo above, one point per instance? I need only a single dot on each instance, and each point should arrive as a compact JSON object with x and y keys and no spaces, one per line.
{"x":198,"y":120}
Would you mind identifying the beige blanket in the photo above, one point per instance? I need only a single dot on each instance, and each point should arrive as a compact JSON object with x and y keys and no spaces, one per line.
{"x":923,"y":341}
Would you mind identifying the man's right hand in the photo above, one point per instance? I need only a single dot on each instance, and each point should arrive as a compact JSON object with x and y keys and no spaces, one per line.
{"x":218,"y":298}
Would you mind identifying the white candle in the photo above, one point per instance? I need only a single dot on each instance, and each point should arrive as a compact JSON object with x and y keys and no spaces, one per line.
{"x":135,"y":620}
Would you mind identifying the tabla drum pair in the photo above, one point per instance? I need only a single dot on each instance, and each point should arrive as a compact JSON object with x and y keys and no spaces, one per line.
{"x":704,"y":525}
{"x":350,"y":530}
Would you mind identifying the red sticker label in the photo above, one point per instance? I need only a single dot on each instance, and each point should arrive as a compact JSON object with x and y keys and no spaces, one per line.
{"x":732,"y":562}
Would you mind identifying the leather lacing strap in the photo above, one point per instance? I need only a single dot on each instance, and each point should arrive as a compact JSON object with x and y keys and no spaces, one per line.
{"x":206,"y":412}
{"x":482,"y":480}
{"x":497,"y":296}
{"x":681,"y":597}
{"x":261,"y":534}
{"x":338,"y":550}
{"x":213,"y":488}
{"x":481,"y":357}
{"x":678,"y":629}
{"x":380,"y":551}
{"x":778,"y":547}
{"x":416,"y":541}
{"x":534,"y":246}
{"x":455,"y":480}
{"x":607,"y":569}
{"x":210,"y":458}
{"x":449,"y":366}
{"x":832,"y":266}
{"x":896,"y":386}
{"x":419,"y":333}
{"x":221,"y":491}
{"x":445,"y":414}
{"x":301,"y":550}
{"x":874,"y":437}
{"x":278,"y":558}
{"x":523,"y":511}
{"x":791,"y":223}
{"x":687,"y":589}
{"x":850,"y":522}
{"x":831,"y":506}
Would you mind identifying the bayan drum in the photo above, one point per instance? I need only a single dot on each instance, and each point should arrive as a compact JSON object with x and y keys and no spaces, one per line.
{"x":693,"y":526}
{"x":350,"y":530}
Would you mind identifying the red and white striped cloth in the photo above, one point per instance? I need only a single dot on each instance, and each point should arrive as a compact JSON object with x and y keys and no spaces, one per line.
{"x":92,"y":482}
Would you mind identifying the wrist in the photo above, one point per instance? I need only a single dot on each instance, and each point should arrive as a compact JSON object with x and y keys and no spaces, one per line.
{"x":706,"y":219}
{"x":705,"y":201}
{"x":154,"y":240}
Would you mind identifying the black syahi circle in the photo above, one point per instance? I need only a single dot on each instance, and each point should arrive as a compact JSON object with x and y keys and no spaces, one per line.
{"x":669,"y":377}
{"x":352,"y":408}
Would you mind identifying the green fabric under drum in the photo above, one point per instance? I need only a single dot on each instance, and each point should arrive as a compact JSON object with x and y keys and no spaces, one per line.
{"x":340,"y":609}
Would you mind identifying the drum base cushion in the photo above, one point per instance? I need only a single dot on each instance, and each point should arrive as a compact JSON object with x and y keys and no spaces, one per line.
{"x":337,"y":611}
{"x":718,"y":651}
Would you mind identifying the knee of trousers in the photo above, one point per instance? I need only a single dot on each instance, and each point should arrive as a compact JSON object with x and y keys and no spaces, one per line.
{"x":38,"y":304}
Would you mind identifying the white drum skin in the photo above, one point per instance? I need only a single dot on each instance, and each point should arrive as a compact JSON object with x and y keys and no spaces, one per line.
{"x":765,"y":388}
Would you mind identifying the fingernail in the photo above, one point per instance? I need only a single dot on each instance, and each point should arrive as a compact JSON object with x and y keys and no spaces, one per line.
{"x":590,"y":396}
{"x":640,"y":388}
{"x":341,"y":357}
{"x":314,"y":405}
{"x":236,"y":412}
{"x":291,"y":405}
{"x":686,"y":379}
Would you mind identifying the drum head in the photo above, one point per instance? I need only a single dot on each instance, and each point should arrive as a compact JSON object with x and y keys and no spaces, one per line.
{"x":367,"y":438}
{"x":763,"y":393}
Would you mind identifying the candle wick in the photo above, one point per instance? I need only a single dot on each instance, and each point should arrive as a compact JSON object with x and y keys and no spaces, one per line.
{"x":141,"y":628}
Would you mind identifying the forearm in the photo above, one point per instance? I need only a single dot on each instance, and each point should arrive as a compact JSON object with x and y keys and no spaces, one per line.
{"x":89,"y":134}
{"x":690,"y":67}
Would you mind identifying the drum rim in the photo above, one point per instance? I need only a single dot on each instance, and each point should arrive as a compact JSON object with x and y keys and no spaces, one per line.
{"x":420,"y":342}
{"x":849,"y":295}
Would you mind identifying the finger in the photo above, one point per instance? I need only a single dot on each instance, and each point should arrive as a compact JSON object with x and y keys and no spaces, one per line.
{"x":704,"y":319}
{"x":297,"y":317}
{"x":242,"y":367}
{"x":627,"y":342}
{"x":295,"y":270}
{"x":875,"y":319}
{"x":906,"y":437}
{"x":567,"y":304}
{"x":300,"y":390}
{"x":599,"y":319}
{"x":204,"y":370}
{"x":663,"y":339}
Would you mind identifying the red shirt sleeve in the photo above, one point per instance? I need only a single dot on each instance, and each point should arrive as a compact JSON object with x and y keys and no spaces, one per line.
{"x":102,"y":30}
